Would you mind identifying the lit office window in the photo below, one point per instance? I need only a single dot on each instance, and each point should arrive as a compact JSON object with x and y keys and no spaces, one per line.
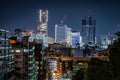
{"x":17,"y":50}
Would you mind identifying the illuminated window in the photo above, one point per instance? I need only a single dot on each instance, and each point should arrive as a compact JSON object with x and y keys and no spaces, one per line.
{"x":17,"y":50}
{"x":12,"y":41}
{"x":12,"y":51}
{"x":26,"y":50}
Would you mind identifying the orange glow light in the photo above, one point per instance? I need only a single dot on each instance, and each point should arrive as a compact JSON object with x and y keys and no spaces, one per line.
{"x":13,"y":41}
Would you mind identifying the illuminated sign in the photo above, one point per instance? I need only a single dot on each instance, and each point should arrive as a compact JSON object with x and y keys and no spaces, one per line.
{"x":13,"y":40}
{"x":75,"y":40}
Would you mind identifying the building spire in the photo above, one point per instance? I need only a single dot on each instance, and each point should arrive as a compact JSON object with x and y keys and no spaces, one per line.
{"x":91,"y":13}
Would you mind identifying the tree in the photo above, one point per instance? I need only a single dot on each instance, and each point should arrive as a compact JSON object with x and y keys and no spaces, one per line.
{"x":106,"y":70}
{"x":98,"y":70}
{"x":79,"y":75}
{"x":114,"y":57}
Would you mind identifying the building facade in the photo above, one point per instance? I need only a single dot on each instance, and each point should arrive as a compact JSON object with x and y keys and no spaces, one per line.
{"x":60,"y":33}
{"x":6,"y":57}
{"x":24,"y":60}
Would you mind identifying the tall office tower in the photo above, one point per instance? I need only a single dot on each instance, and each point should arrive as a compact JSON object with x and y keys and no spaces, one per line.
{"x":6,"y":57}
{"x":24,"y":61}
{"x":88,"y":29}
{"x":43,"y":19}
{"x":60,"y":33}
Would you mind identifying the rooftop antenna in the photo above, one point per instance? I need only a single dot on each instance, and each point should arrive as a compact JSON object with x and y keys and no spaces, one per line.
{"x":91,"y":13}
{"x":63,"y":19}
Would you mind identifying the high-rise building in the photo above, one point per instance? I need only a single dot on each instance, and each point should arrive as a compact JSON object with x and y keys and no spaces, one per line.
{"x":60,"y":33}
{"x":24,"y":61}
{"x":43,"y":19}
{"x":6,"y":57}
{"x":88,"y":30}
{"x":42,"y":27}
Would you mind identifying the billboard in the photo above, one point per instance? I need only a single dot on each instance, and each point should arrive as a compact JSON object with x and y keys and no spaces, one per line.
{"x":75,"y":40}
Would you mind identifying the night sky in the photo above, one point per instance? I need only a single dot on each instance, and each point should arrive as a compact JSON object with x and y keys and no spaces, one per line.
{"x":24,"y":14}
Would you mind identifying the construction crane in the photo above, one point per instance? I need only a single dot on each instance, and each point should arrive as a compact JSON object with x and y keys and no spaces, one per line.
{"x":91,"y":13}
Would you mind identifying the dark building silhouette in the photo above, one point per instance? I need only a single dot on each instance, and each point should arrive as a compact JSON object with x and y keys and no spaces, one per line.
{"x":6,"y":57}
{"x":88,"y":29}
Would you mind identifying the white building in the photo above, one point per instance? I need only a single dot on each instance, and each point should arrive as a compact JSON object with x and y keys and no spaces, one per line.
{"x":60,"y":33}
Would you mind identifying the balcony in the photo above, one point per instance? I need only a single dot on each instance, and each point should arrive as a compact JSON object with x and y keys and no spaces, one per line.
{"x":2,"y":56}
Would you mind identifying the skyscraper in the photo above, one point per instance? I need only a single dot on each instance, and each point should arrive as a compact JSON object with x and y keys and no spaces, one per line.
{"x":88,"y":29}
{"x":24,"y":61}
{"x":43,"y":19}
{"x":60,"y":33}
{"x":42,"y":27}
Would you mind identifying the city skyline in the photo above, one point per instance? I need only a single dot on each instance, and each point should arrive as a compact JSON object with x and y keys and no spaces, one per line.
{"x":25,"y":14}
